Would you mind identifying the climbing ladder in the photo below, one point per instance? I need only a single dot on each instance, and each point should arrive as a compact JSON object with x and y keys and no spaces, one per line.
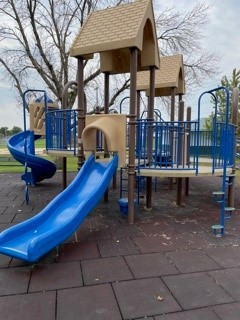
{"x":221,"y":197}
{"x":223,"y":145}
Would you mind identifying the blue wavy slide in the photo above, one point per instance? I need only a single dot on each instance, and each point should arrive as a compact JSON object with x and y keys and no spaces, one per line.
{"x":33,"y":238}
{"x":21,"y":147}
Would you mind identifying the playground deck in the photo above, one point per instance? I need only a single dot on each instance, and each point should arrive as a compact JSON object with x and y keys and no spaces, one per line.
{"x":167,"y":266}
{"x":182,"y":173}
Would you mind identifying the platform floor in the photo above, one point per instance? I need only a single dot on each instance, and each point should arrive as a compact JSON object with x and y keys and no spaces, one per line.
{"x":167,"y":266}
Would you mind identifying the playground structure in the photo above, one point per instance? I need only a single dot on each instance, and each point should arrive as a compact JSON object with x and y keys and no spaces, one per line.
{"x":155,"y":148}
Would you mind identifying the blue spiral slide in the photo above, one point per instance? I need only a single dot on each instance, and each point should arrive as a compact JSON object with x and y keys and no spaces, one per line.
{"x":33,"y":238}
{"x":21,"y":147}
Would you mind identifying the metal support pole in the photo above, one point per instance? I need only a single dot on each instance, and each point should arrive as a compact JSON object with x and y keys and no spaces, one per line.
{"x":234,"y":121}
{"x":81,"y":111}
{"x":132,"y":118}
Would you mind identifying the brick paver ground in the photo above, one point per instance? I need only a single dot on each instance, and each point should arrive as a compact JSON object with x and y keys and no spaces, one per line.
{"x":167,"y":266}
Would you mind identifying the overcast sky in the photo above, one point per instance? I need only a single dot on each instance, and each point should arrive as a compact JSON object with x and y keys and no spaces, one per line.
{"x":223,"y":35}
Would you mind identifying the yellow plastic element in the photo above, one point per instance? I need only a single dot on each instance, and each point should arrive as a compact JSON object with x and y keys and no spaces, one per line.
{"x":37,"y":116}
{"x":111,"y":32}
{"x":170,"y":75}
{"x":113,"y":127}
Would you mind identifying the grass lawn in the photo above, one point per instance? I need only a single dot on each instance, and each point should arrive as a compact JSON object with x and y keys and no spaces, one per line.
{"x":9,"y":165}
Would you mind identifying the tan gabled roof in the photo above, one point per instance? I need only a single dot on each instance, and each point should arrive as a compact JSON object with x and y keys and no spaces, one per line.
{"x":121,"y":27}
{"x":170,"y":75}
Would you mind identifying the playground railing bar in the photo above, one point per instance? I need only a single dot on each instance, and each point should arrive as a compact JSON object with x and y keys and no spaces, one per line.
{"x":177,"y":147}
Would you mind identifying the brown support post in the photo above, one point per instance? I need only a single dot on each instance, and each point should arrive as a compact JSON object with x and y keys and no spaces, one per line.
{"x":132,"y":118}
{"x":234,"y":120}
{"x":106,"y":92}
{"x":138,"y":104}
{"x":179,"y":180}
{"x":150,"y":136}
{"x":172,"y":118}
{"x":64,"y":106}
{"x":106,"y":111}
{"x":189,"y":111}
{"x":81,"y":111}
{"x":173,"y":95}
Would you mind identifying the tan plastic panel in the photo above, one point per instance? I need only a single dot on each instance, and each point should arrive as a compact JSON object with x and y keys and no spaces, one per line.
{"x":37,"y":116}
{"x":113,"y":126}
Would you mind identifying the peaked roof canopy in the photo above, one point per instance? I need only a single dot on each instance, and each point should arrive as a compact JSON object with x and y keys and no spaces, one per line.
{"x":170,"y":75}
{"x":113,"y":31}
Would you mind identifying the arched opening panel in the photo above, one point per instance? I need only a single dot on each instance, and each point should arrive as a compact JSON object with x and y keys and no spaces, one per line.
{"x":113,"y":128}
{"x":149,"y":54}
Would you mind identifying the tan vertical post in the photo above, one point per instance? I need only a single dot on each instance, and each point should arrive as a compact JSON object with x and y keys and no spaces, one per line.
{"x":189,"y":112}
{"x":81,"y":110}
{"x":132,"y":118}
{"x":234,"y":120}
{"x":150,"y":135}
{"x":180,"y":139}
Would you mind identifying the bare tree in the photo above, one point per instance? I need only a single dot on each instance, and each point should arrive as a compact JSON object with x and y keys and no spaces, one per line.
{"x":183,"y":32}
{"x":35,"y":37}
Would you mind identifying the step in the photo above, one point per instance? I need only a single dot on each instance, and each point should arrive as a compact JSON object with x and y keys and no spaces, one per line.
{"x":218,"y":196}
{"x":229,"y":211}
{"x":218,"y":193}
{"x":218,"y":230}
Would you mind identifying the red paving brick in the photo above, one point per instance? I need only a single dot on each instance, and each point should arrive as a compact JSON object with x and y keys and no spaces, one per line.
{"x":167,"y":266}
{"x":4,"y":261}
{"x":229,"y":279}
{"x":14,"y":280}
{"x":37,"y":306}
{"x":198,"y":314}
{"x":196,"y":290}
{"x":229,"y":311}
{"x":56,"y":276}
{"x":78,"y":251}
{"x":94,"y":302}
{"x":105,"y":270}
{"x":117,"y":247}
{"x":144,"y":297}
{"x":155,"y":228}
{"x":150,"y":265}
{"x":154,"y":244}
{"x":227,"y":257}
{"x":192,"y":261}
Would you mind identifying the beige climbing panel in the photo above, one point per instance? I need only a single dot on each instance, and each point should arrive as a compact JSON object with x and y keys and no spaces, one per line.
{"x":37,"y":116}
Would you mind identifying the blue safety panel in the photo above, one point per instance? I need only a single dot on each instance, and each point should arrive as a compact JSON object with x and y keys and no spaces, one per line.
{"x":33,"y":238}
